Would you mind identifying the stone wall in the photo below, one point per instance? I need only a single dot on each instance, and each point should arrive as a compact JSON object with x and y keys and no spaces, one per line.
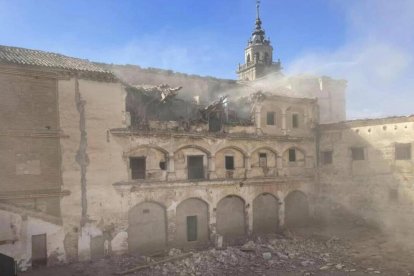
{"x":379,"y":187}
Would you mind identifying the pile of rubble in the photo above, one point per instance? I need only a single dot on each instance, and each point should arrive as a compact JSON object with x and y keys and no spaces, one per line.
{"x":308,"y":256}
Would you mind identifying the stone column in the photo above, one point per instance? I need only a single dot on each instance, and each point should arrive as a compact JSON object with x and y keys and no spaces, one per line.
{"x":249,"y":217}
{"x":281,"y":213}
{"x":211,"y":167}
{"x":284,"y":123}
{"x":170,"y":168}
{"x":171,"y":227}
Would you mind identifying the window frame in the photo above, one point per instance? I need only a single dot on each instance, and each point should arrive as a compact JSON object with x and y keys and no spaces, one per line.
{"x":226,"y":157}
{"x":133,"y":175}
{"x":404,"y":155}
{"x":270,"y":121}
{"x":324,"y":159}
{"x":295,"y":120}
{"x":292,"y":155}
{"x":354,"y":154}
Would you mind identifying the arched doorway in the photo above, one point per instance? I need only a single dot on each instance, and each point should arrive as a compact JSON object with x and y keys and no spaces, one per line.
{"x":231,"y":217}
{"x":265,"y":214}
{"x":192,"y":223}
{"x":147,"y":228}
{"x":296,"y":209}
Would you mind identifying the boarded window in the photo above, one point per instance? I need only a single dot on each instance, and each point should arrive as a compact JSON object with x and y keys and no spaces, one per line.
{"x":195,"y":167}
{"x":263,"y":160}
{"x":295,"y":120}
{"x":270,"y":118}
{"x":292,"y":155}
{"x":358,"y":153}
{"x":137,"y":165}
{"x":402,"y":151}
{"x":39,"y":251}
{"x":326,"y":157}
{"x":229,"y":163}
{"x":191,"y":228}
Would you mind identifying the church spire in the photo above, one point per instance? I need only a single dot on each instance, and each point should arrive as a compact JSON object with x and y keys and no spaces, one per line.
{"x":258,"y":35}
{"x":258,"y":55}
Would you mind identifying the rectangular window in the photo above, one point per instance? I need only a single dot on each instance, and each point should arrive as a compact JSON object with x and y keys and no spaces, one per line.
{"x":402,"y":151}
{"x":229,"y":163}
{"x":292,"y":155}
{"x":137,"y":165}
{"x":263,"y":160}
{"x":195,"y":167}
{"x":358,"y":154}
{"x":191,"y":228}
{"x":295,"y":120}
{"x":270,"y":118}
{"x":326,"y":157}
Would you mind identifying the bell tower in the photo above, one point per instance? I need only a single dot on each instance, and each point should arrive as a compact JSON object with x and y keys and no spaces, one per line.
{"x":258,"y":55}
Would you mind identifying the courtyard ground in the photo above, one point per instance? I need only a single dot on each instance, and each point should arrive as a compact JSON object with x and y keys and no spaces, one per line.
{"x":340,"y":249}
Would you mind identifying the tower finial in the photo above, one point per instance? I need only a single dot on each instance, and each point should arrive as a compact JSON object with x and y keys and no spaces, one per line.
{"x":257,"y":9}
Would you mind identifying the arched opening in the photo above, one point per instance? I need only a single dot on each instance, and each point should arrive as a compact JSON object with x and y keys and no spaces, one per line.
{"x":230,"y":162}
{"x":296,"y":209}
{"x":265,"y":214}
{"x":192,"y":223}
{"x":263,"y":162}
{"x":231,"y":218}
{"x":248,"y":58}
{"x":191,"y":162}
{"x":147,"y":229}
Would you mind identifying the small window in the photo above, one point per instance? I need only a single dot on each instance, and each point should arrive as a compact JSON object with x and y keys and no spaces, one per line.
{"x":292,"y":155}
{"x":402,"y":151}
{"x":229,"y":163}
{"x":270,"y":118}
{"x":358,"y":154}
{"x":137,"y":165}
{"x":163,"y":165}
{"x":393,"y":195}
{"x":326,"y":157}
{"x":191,"y":228}
{"x":263,"y":160}
{"x":295,"y":120}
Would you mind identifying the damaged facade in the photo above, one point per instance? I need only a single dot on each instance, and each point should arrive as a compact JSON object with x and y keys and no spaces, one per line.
{"x":96,"y":164}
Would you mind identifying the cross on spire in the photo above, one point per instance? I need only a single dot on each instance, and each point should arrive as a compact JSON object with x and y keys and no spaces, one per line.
{"x":257,"y":9}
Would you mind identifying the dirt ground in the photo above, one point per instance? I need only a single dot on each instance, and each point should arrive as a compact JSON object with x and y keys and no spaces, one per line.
{"x":340,"y":249}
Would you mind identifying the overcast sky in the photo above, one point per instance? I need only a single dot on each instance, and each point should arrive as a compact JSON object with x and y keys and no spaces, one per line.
{"x":370,"y":43}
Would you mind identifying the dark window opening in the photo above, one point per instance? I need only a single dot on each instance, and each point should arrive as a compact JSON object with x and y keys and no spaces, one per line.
{"x":358,"y":154}
{"x":137,"y":165}
{"x":402,"y":151}
{"x":295,"y":120}
{"x":292,"y":155}
{"x":326,"y":157}
{"x":163,"y":165}
{"x":248,"y":58}
{"x":270,"y":118}
{"x":191,"y":228}
{"x":263,"y":160}
{"x":229,"y":163}
{"x":195,"y":167}
{"x":257,"y":57}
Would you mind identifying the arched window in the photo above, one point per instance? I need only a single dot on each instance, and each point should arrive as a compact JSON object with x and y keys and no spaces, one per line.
{"x":248,"y":58}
